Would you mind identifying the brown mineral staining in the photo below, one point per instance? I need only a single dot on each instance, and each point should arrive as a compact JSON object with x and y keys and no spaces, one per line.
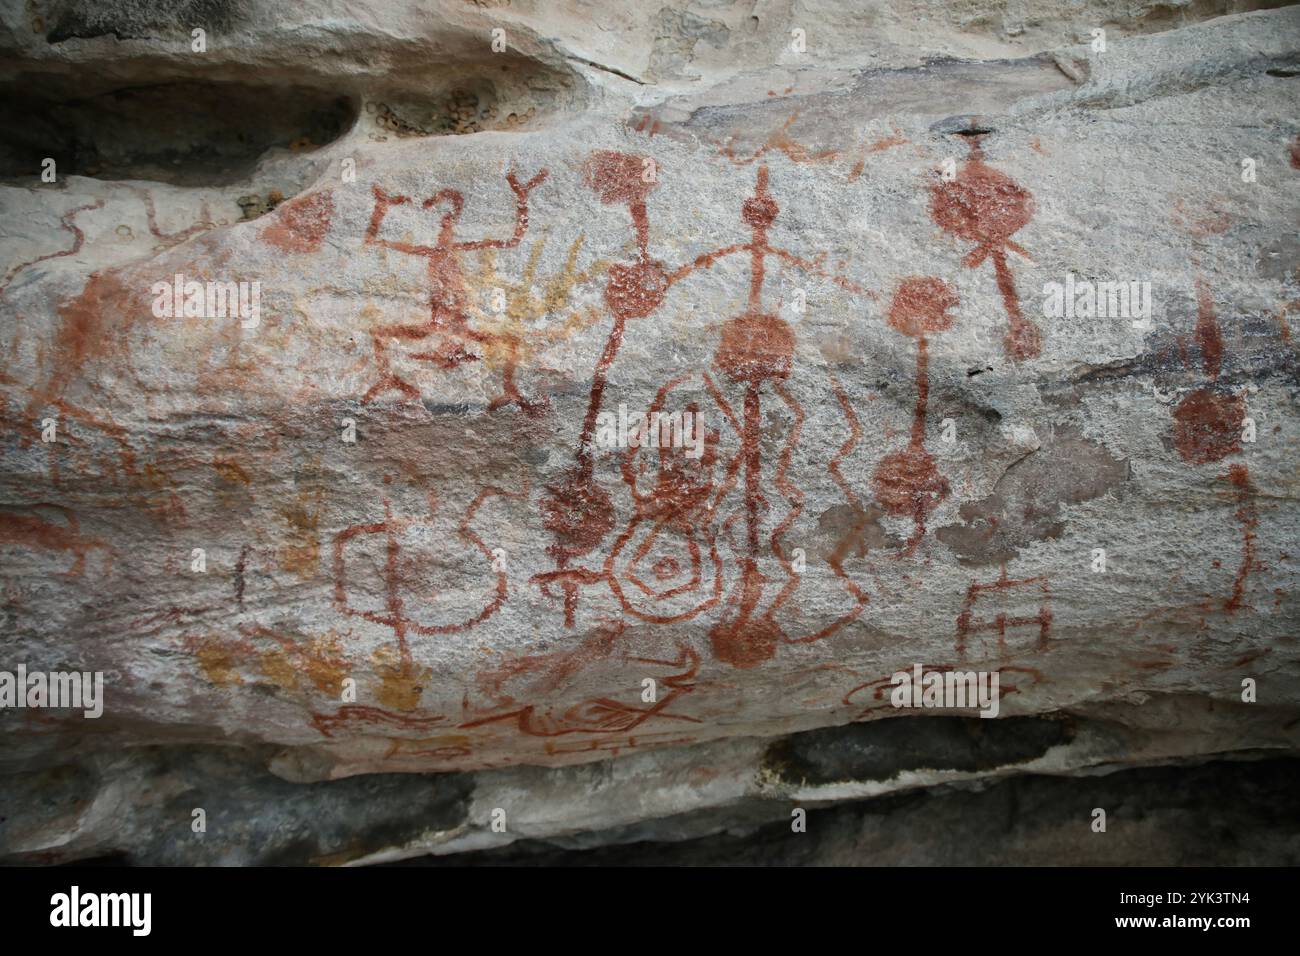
{"x":217,"y":660}
{"x":401,"y":682}
{"x":231,"y":471}
{"x":1024,"y":505}
{"x":32,"y":531}
{"x":301,"y":224}
{"x":854,"y":528}
{"x":1207,"y":426}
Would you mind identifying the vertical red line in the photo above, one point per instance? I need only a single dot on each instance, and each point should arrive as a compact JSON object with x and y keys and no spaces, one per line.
{"x":922,"y":391}
{"x":612,"y":345}
{"x":394,"y":599}
{"x":753,"y":474}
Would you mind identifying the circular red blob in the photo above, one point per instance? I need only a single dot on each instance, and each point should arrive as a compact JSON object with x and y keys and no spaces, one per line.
{"x":578,"y":512}
{"x":617,"y":178}
{"x":1207,"y":426}
{"x":745,"y":644}
{"x":634,"y":291}
{"x":759,"y":211}
{"x":755,"y":346}
{"x":981,"y":204}
{"x":921,"y":305}
{"x":908,"y":483}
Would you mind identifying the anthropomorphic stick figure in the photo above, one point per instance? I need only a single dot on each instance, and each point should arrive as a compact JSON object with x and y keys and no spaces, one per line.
{"x":449,"y":336}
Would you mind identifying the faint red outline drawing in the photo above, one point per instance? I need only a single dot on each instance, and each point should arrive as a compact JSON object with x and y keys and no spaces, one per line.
{"x":967,"y":626}
{"x":68,"y":221}
{"x":448,"y":321}
{"x":393,"y":616}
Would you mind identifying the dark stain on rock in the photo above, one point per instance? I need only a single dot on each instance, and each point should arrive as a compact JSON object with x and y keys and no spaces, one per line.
{"x":87,"y":19}
{"x":1024,"y":505}
{"x":1279,"y":259}
{"x":881,"y":749}
{"x":263,"y":819}
{"x":859,"y":527}
{"x":183,"y":132}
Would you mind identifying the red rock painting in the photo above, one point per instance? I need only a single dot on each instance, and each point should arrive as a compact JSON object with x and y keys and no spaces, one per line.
{"x":447,"y":339}
{"x":986,"y":206}
{"x":300,"y":225}
{"x":1022,"y":604}
{"x":509,"y":688}
{"x":671,"y":531}
{"x":408,"y":594}
{"x":1208,"y":422}
{"x":69,"y":223}
{"x":908,"y":482}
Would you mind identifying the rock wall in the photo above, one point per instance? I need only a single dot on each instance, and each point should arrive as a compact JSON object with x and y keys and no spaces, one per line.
{"x":327,"y":330}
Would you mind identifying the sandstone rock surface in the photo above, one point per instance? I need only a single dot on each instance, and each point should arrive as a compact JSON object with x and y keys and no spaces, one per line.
{"x":382,"y":521}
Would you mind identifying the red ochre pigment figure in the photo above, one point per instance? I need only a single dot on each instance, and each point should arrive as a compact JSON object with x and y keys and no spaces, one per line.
{"x":1207,"y":429}
{"x":1002,"y":590}
{"x":987,"y":207}
{"x":756,"y":348}
{"x":669,"y":533}
{"x":575,"y":509}
{"x":908,"y":482}
{"x":448,"y":329}
{"x":403,"y":583}
{"x":545,"y":674}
